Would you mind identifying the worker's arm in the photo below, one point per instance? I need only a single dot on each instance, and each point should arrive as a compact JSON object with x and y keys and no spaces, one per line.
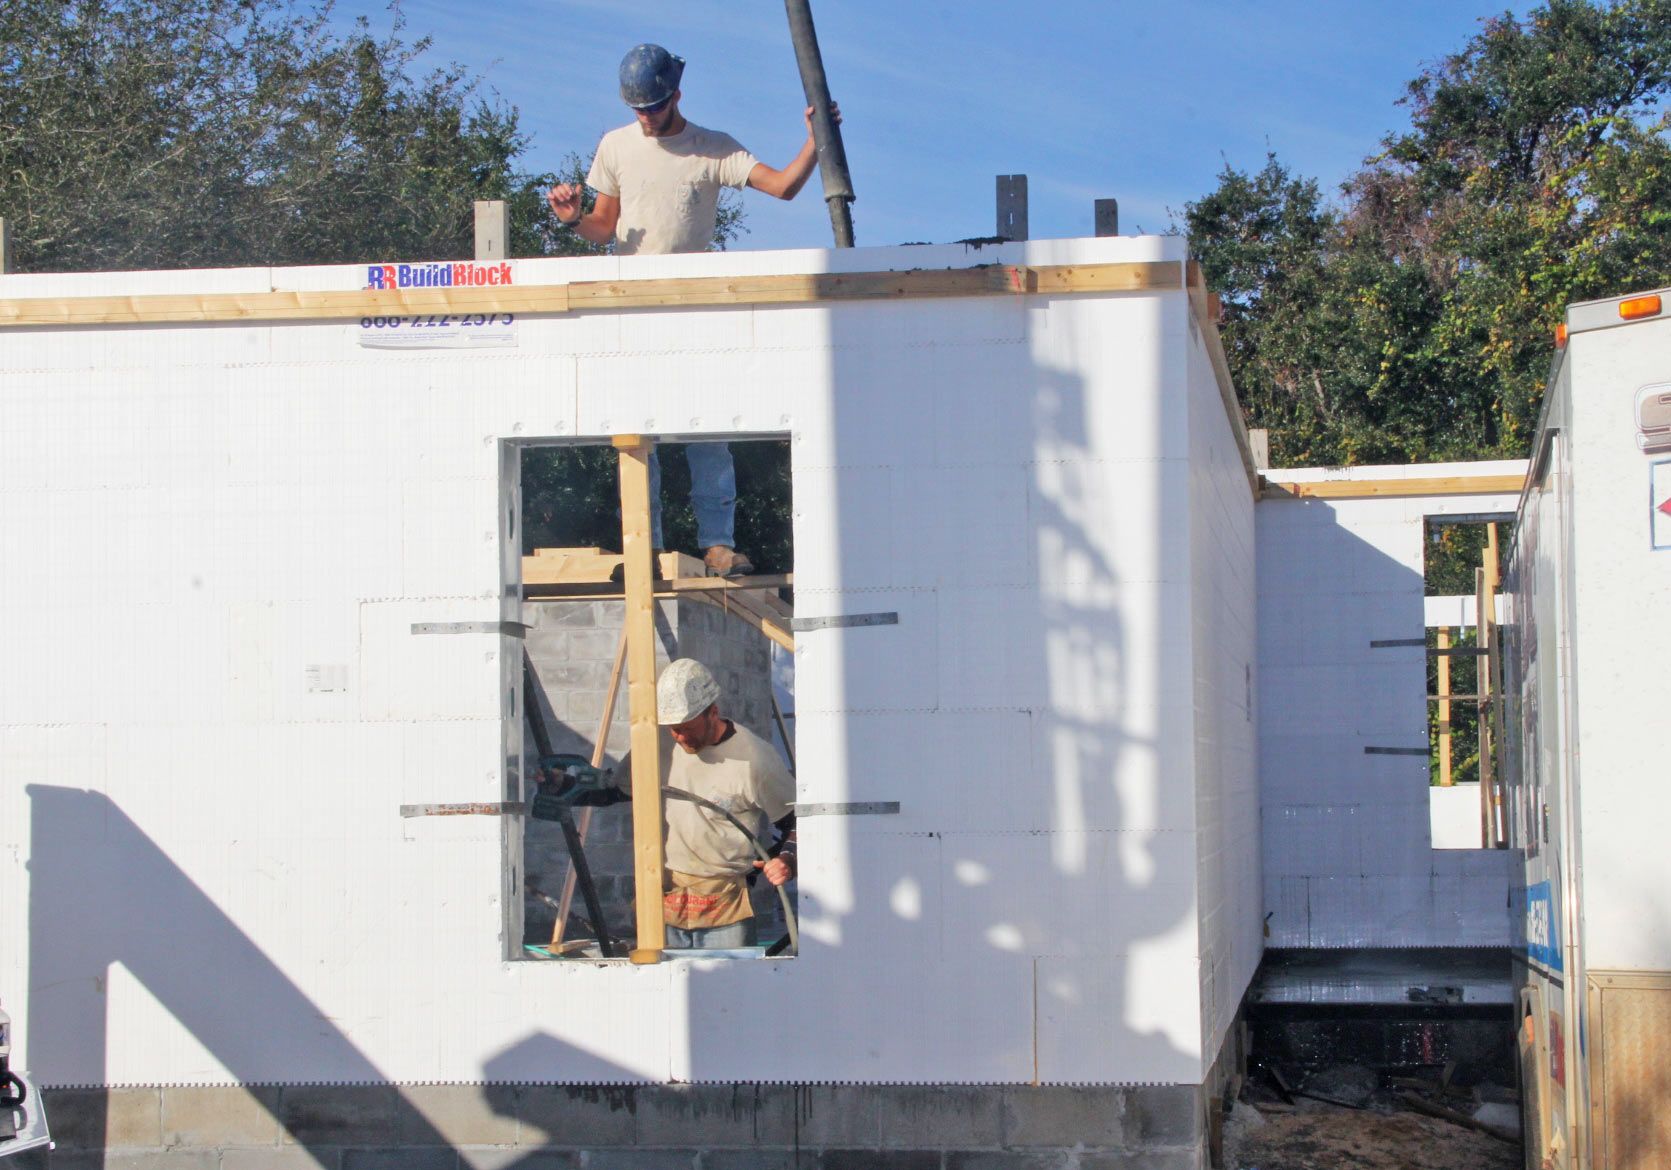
{"x":787,"y":183}
{"x":785,"y":865}
{"x":596,"y":226}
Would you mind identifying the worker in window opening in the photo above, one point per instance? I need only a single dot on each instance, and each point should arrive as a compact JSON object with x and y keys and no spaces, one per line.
{"x":658,"y":182}
{"x":709,"y":863}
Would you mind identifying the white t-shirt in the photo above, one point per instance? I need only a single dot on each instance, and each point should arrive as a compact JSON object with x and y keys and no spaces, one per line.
{"x":668,"y":187}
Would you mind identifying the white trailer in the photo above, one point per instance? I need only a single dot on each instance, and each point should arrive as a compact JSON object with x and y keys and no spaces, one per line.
{"x":1585,"y":650}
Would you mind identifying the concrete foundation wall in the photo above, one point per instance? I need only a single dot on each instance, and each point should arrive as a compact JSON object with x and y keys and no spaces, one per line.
{"x":673,"y":1127}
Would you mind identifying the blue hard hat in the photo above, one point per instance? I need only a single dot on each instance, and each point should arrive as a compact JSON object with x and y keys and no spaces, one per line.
{"x":649,"y":74}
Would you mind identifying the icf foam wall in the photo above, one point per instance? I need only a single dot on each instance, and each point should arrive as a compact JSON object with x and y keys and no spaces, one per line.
{"x":1222,"y":652}
{"x":1343,"y":765}
{"x":217,"y":540}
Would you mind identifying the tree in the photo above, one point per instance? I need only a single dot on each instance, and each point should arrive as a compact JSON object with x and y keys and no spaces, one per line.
{"x":1418,"y":314}
{"x":201,"y":133}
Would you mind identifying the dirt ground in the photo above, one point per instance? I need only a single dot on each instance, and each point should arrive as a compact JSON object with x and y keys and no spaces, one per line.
{"x":1323,"y":1137}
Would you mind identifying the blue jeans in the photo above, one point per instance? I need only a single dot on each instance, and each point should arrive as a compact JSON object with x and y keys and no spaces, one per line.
{"x":713,"y":494}
{"x":714,"y":938}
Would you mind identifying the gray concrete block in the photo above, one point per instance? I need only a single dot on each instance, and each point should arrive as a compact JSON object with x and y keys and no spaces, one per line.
{"x":1174,"y":1159}
{"x":105,"y":1119}
{"x":714,"y":1115}
{"x":774,"y":1159}
{"x":181,"y":1159}
{"x":1164,"y":1115}
{"x":1010,"y":1160}
{"x":282,"y":1158}
{"x":399,"y":1158}
{"x":339,"y":1115}
{"x":553,"y":615}
{"x":879,"y":1160}
{"x":837,"y":1116}
{"x":1064,"y":1116}
{"x":638,"y":1160}
{"x":499,"y":1158}
{"x":569,"y":1115}
{"x":220,"y":1115}
{"x":457,"y":1115}
{"x":585,"y":708}
{"x":594,"y":644}
{"x":546,"y":647}
{"x":953,"y":1117}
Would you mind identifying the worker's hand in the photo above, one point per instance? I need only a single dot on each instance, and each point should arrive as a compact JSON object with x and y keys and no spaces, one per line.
{"x":835,"y":116}
{"x":778,"y":870}
{"x":564,"y":199}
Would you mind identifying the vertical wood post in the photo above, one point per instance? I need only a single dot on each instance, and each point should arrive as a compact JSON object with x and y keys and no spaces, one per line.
{"x":5,"y":247}
{"x":640,"y":631}
{"x":1492,"y":716}
{"x":1482,"y":673}
{"x":1446,"y":778}
{"x":493,"y":230}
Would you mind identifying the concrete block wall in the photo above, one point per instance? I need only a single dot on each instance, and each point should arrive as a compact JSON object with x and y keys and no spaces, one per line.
{"x":572,"y":646}
{"x":1347,"y":847}
{"x":595,"y":1127}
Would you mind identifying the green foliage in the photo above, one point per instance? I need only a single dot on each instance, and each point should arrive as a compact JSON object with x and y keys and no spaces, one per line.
{"x":570,"y":498}
{"x":1413,"y":321}
{"x":205,"y":133}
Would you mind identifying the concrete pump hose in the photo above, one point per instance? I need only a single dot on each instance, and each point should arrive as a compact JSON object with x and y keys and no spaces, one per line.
{"x":760,"y":852}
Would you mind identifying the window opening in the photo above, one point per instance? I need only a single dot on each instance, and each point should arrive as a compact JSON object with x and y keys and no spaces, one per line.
{"x":1462,"y":577}
{"x":575,"y":602}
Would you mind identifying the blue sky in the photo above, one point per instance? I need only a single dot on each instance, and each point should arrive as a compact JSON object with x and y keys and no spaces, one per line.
{"x":1142,"y":102}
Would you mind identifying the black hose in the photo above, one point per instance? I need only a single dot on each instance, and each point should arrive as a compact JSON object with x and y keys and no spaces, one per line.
{"x":759,"y":849}
{"x":826,"y":135}
{"x":7,"y":1101}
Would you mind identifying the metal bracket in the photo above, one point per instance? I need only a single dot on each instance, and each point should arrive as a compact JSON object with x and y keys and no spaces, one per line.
{"x":843,"y":621}
{"x":1386,"y":751}
{"x":863,"y":808}
{"x":504,"y":629}
{"x":1388,"y":643}
{"x":484,"y":808}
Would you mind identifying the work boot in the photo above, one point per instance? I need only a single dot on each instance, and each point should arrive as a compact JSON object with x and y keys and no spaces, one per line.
{"x":726,"y":562}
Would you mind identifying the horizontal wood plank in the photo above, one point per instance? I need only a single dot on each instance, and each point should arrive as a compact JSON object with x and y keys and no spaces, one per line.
{"x":1358,"y":489}
{"x":766,"y":289}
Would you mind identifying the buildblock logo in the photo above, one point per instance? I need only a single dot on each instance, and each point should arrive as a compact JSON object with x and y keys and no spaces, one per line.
{"x":463,"y":275}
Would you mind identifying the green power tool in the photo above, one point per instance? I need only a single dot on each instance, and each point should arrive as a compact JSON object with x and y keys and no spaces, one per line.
{"x":564,"y":780}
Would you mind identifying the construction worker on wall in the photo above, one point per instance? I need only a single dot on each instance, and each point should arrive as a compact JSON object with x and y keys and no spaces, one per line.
{"x":658,"y":182}
{"x":708,"y":861}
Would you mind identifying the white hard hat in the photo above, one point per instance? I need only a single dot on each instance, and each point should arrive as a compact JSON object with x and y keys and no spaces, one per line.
{"x":685,"y":690}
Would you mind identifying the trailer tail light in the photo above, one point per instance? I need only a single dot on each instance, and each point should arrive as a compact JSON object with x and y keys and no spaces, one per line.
{"x":1638,"y":307}
{"x":1561,"y":335}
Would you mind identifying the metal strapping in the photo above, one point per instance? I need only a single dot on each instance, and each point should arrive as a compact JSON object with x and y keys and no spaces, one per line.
{"x":1386,"y":751}
{"x":841,"y":621}
{"x":486,"y":808}
{"x":1385,"y":643}
{"x":506,"y":629}
{"x":862,"y":808}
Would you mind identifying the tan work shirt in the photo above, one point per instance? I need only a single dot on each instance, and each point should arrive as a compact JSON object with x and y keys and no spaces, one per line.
{"x":668,"y":187}
{"x":706,"y":857}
